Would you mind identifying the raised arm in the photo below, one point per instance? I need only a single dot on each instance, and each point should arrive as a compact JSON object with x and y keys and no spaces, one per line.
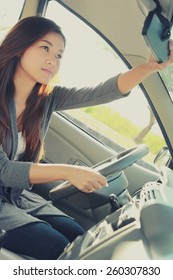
{"x":128,"y":80}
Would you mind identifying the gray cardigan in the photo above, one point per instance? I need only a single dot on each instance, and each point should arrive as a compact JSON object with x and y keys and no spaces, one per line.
{"x":18,"y":205}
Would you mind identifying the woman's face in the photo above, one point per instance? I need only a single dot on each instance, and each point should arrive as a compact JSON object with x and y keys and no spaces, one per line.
{"x":41,"y":61}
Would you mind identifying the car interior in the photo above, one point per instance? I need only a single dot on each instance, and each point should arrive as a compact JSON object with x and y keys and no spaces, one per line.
{"x":131,"y":218}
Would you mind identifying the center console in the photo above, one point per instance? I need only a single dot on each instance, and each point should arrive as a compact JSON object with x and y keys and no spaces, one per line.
{"x":141,"y":229}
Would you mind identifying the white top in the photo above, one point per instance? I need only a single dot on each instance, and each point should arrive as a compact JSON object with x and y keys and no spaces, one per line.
{"x":21,"y":145}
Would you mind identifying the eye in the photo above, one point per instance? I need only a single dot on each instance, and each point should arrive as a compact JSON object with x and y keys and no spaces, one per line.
{"x":58,"y":56}
{"x":45,"y":48}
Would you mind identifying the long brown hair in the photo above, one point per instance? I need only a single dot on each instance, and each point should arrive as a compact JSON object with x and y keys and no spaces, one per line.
{"x":25,"y":33}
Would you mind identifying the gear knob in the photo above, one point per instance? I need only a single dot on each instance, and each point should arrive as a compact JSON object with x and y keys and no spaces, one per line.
{"x":113,"y":200}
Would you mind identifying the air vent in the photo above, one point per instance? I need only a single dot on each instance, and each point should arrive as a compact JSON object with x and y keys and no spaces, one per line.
{"x":148,"y":192}
{"x":148,"y":195}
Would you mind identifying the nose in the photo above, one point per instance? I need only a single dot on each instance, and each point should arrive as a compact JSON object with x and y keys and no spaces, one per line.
{"x":51,"y":60}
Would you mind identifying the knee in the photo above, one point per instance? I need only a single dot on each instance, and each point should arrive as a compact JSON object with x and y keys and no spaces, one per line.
{"x":55,"y":248}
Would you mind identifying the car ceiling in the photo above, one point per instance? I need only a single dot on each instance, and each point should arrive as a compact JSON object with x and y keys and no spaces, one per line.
{"x":108,"y":16}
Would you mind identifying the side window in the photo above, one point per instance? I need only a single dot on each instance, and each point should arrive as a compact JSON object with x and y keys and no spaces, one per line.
{"x":88,"y":60}
{"x":9,"y":14}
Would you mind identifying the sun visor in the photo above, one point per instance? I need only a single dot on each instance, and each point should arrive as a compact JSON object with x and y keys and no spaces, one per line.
{"x":146,"y":6}
{"x":165,"y":7}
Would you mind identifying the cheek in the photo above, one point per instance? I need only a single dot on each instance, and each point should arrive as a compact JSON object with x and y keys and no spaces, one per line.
{"x":27,"y":67}
{"x":30,"y":63}
{"x":56,"y":69}
{"x":26,"y":61}
{"x":30,"y":57}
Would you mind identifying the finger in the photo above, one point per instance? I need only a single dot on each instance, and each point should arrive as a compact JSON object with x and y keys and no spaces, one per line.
{"x":89,"y":189}
{"x":98,"y":182}
{"x":103,"y":180}
{"x":97,"y":185}
{"x":94,"y":185}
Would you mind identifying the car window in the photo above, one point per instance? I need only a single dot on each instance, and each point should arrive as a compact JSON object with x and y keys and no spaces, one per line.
{"x":88,"y":60}
{"x":9,"y":14}
{"x":166,"y":75}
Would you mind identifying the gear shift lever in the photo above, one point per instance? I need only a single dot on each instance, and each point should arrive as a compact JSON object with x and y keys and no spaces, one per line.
{"x":113,"y":200}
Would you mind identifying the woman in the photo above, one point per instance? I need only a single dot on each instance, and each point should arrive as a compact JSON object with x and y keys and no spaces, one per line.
{"x":30,"y":57}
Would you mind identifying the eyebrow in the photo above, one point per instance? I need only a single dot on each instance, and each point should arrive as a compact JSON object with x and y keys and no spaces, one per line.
{"x":50,"y":44}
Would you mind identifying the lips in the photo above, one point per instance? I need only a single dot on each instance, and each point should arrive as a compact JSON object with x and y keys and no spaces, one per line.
{"x":48,"y":71}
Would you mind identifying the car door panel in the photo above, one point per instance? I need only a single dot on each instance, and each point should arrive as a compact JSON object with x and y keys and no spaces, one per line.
{"x":66,"y":143}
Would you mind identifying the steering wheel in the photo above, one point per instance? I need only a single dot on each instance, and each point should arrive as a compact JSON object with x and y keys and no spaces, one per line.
{"x":121,"y":161}
{"x":108,"y":168}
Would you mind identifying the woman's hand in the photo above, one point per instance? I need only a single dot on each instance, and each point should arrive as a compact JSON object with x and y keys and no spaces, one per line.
{"x":128,"y":80}
{"x":153,"y":64}
{"x":85,"y":179}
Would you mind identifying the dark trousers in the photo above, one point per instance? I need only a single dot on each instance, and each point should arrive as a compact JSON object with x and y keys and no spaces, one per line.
{"x":43,"y":241}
